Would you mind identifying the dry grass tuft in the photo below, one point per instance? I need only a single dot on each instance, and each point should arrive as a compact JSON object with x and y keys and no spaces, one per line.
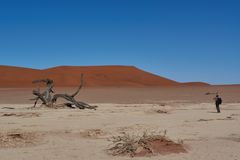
{"x":157,"y":110}
{"x":24,"y":115}
{"x":148,"y":143}
{"x":16,"y":139}
{"x":92,"y":133}
{"x":161,"y":111}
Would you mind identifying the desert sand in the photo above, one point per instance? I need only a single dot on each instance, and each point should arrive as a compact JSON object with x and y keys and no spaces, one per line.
{"x":186,"y":113}
{"x":155,"y":117}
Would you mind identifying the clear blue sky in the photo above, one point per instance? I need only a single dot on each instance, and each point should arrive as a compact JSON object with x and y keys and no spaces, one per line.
{"x":184,"y":40}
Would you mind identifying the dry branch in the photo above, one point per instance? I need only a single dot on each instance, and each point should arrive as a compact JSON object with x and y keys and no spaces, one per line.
{"x":50,"y":100}
{"x":148,"y":143}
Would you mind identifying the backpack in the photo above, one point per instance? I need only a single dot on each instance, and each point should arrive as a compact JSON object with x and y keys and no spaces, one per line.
{"x":219,"y":100}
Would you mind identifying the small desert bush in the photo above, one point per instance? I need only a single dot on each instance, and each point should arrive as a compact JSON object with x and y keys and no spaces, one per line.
{"x":162,"y":111}
{"x":131,"y":144}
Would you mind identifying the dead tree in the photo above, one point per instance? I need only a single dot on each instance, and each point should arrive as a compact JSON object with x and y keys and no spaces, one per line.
{"x":50,"y":100}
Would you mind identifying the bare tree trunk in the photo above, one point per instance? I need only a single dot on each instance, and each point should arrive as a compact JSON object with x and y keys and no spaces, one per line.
{"x":50,"y":100}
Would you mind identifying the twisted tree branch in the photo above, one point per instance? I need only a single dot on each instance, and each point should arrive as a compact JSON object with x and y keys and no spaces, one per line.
{"x":51,"y":100}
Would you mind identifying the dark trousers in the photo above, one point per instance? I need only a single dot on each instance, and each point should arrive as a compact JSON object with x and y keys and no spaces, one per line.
{"x":218,"y":108}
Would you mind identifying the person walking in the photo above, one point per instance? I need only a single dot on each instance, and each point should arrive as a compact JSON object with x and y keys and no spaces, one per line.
{"x":218,"y":102}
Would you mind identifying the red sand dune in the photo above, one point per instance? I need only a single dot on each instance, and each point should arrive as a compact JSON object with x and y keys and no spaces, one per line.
{"x":94,"y":76}
{"x":195,"y":84}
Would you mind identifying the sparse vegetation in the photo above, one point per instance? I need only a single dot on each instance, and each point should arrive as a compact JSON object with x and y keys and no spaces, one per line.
{"x":148,"y":143}
{"x":18,"y":139}
{"x":92,"y":133}
{"x":24,"y":115}
{"x":162,"y":111}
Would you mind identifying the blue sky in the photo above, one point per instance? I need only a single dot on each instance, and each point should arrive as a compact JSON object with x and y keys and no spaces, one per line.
{"x":184,"y":40}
